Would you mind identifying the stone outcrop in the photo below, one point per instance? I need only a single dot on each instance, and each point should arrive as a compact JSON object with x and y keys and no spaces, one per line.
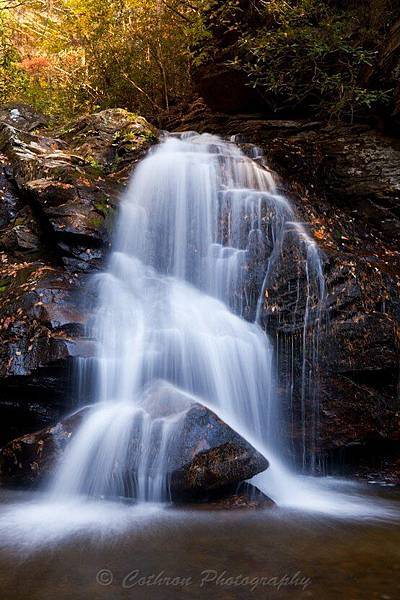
{"x":31,"y":458}
{"x":344,"y":181}
{"x":58,"y":197}
{"x":72,"y":183}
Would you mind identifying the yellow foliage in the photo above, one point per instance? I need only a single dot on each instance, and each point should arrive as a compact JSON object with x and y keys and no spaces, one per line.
{"x":69,"y":56}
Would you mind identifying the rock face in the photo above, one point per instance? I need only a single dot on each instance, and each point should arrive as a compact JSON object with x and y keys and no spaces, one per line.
{"x":30,"y":459}
{"x":58,"y":196}
{"x":72,"y":185}
{"x":204,"y":454}
{"x":345,"y":183}
{"x":57,"y":201}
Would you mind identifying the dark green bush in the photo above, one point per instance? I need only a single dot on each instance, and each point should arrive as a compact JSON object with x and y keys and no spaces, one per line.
{"x":305,"y":56}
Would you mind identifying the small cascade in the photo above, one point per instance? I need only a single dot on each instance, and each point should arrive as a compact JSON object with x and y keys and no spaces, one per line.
{"x":203,"y":243}
{"x":298,"y":332}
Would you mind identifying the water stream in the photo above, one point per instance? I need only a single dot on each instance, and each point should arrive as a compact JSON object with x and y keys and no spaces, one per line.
{"x":199,"y":241}
{"x":202,"y":245}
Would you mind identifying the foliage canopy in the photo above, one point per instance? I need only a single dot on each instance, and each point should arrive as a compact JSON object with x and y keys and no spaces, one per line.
{"x":67,"y":57}
{"x":314,"y":56}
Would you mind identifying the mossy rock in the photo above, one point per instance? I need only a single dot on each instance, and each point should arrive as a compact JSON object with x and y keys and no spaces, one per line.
{"x":101,"y":137}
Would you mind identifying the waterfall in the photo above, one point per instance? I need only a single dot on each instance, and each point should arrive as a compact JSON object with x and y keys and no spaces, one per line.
{"x":198,"y":251}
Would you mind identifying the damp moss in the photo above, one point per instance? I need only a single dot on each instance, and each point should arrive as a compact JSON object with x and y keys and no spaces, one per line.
{"x":96,"y":222}
{"x":95,"y":167}
{"x":137,"y":134}
{"x":4,"y":285}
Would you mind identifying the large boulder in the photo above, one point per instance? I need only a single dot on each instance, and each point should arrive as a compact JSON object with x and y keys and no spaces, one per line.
{"x":206,"y":454}
{"x":202,"y":453}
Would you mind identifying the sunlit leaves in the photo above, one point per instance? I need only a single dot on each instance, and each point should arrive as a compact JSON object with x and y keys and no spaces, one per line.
{"x":77,"y":55}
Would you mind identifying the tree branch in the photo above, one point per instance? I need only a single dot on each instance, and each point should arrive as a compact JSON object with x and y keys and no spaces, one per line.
{"x":13,"y":5}
{"x":176,"y":11}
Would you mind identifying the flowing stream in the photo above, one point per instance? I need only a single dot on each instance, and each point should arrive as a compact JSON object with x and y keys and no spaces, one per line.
{"x":199,"y":242}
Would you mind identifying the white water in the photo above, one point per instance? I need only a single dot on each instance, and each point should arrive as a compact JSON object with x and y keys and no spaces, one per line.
{"x":170,"y":306}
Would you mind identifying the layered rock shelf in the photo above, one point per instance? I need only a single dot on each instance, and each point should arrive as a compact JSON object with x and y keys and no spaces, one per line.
{"x":58,"y":196}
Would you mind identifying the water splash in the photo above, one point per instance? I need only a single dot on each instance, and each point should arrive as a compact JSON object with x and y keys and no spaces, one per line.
{"x":200,"y":242}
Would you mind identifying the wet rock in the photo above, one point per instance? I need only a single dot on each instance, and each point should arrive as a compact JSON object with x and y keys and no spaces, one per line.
{"x":22,"y":117}
{"x":65,"y":180}
{"x":357,"y":168}
{"x":347,"y":187}
{"x":31,"y":458}
{"x":38,"y":316}
{"x":70,"y":207}
{"x":366,"y":342}
{"x":344,"y":181}
{"x":244,"y":496}
{"x":206,"y":453}
{"x":22,"y":234}
{"x":58,"y":193}
{"x":215,"y":466}
{"x":203,"y":454}
{"x":33,"y":156}
{"x":75,"y":214}
{"x":41,"y":326}
{"x":41,"y":329}
{"x":9,"y":201}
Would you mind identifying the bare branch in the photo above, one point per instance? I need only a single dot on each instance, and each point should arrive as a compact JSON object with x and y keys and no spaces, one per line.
{"x":176,"y":11}
{"x":12,"y":5}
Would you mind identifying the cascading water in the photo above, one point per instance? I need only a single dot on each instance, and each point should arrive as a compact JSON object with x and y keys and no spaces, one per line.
{"x":199,"y":242}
